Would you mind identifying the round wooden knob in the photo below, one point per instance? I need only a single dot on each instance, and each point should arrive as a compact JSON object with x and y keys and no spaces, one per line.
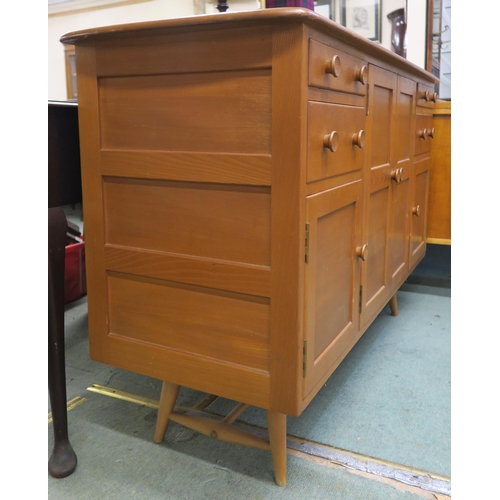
{"x":362,"y":252}
{"x":333,"y":66}
{"x":416,"y":210}
{"x":361,"y":75}
{"x":427,"y":95}
{"x":359,"y":139}
{"x":430,"y":133}
{"x":331,"y":141}
{"x":422,"y":134}
{"x":434,"y":97}
{"x":397,"y":175}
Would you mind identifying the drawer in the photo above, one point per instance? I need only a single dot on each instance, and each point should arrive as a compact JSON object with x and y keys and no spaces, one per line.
{"x":424,"y":133}
{"x":335,"y":139}
{"x":333,"y":69}
{"x":426,"y":95}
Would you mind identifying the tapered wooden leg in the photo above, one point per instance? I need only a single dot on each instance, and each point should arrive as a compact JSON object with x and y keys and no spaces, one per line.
{"x":169,"y":393}
{"x":276,"y":423}
{"x":393,"y":304}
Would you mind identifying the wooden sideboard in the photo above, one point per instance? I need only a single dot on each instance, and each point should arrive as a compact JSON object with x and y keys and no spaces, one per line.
{"x":255,"y":189}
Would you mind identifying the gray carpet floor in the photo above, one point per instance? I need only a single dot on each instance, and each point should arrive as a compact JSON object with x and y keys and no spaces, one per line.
{"x":389,"y":399}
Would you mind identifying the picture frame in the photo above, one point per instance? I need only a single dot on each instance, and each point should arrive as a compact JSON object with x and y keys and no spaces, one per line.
{"x":326,"y":8}
{"x":362,"y":17}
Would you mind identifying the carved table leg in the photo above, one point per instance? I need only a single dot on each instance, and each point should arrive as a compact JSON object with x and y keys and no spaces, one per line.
{"x":62,"y":462}
{"x":393,"y":304}
{"x":276,"y":423}
{"x":169,"y":393}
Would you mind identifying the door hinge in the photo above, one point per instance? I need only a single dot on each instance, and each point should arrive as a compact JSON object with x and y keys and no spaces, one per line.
{"x":360,"y":299}
{"x":304,"y":360}
{"x":307,"y":242}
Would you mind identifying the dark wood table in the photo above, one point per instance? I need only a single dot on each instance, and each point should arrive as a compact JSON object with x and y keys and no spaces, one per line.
{"x":64,"y":189}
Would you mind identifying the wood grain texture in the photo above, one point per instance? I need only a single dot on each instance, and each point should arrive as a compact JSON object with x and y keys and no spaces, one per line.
{"x":420,"y":199}
{"x":276,"y":423}
{"x":153,"y":112}
{"x":200,"y":373}
{"x":322,"y":120}
{"x":187,"y":52}
{"x":218,"y":222}
{"x":319,"y":55}
{"x":211,"y":273}
{"x":439,"y":228}
{"x":169,"y":393}
{"x":423,"y":122}
{"x":332,"y":278}
{"x":287,"y":215}
{"x":89,"y":130}
{"x":399,"y":229}
{"x":378,"y":190}
{"x":222,"y":168}
{"x":230,"y":327}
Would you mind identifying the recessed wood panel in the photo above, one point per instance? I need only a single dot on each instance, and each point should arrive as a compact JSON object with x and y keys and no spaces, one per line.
{"x":381,"y":133}
{"x":333,"y":277}
{"x":219,"y":222}
{"x":419,"y":223}
{"x":191,"y":51}
{"x":377,"y":243}
{"x":398,"y":235}
{"x":226,"y":111}
{"x":220,"y":325}
{"x":404,"y":126}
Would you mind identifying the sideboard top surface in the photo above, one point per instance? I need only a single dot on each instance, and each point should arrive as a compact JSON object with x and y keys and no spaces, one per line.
{"x":240,"y":19}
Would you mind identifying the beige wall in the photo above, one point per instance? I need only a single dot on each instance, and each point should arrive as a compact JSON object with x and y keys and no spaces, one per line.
{"x":90,"y":17}
{"x":415,"y":35}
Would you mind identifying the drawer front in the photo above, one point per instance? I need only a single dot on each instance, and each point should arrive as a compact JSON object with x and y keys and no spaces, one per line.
{"x":337,"y":127}
{"x":424,"y":134}
{"x":333,"y":69}
{"x":426,"y":96}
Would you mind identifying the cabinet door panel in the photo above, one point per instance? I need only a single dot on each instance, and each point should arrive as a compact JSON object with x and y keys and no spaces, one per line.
{"x":378,"y":191}
{"x":377,"y":245}
{"x":332,"y":278}
{"x":419,"y":211}
{"x":399,"y":230}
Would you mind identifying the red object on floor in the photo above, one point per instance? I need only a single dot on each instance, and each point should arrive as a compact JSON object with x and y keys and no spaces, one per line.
{"x":75,"y":279}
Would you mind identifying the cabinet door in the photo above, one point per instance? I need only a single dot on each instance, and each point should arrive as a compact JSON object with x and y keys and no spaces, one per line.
{"x":399,"y":230}
{"x":331,"y":280}
{"x":418,"y":234}
{"x":378,"y":194}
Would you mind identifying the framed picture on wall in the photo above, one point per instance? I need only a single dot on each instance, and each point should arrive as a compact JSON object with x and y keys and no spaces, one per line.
{"x":362,"y":17}
{"x":325,"y":8}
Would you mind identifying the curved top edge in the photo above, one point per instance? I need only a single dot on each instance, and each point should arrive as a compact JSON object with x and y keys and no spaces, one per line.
{"x":284,"y":14}
{"x":276,"y":15}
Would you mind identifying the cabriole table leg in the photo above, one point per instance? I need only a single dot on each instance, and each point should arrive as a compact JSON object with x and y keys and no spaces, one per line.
{"x":63,"y":460}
